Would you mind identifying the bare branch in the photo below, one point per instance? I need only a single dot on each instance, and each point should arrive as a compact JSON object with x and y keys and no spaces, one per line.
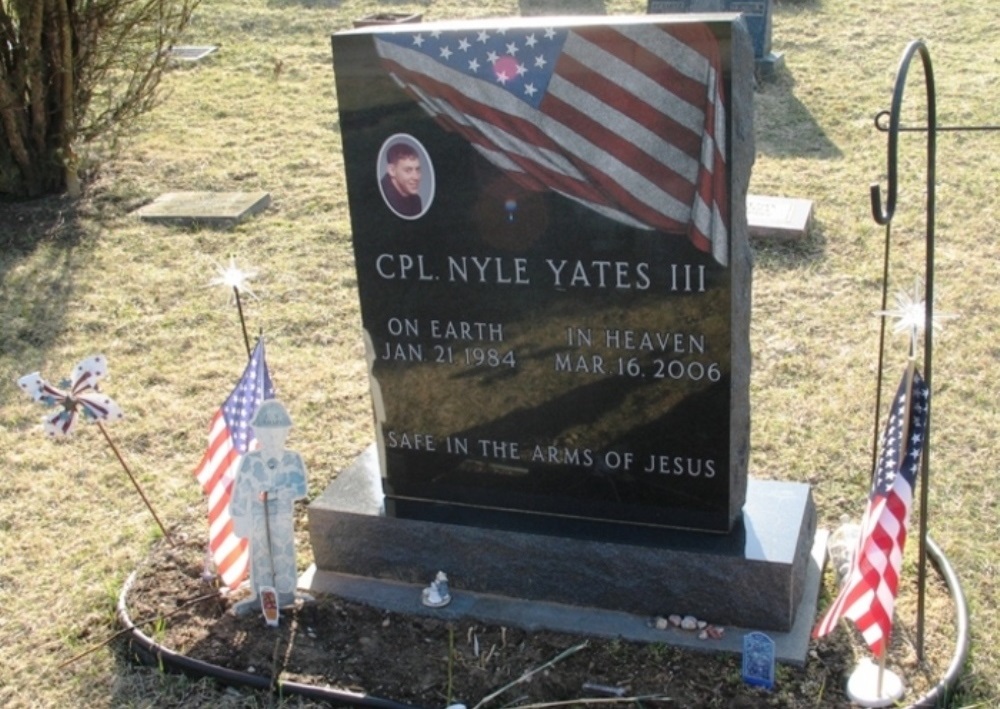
{"x":73,"y":71}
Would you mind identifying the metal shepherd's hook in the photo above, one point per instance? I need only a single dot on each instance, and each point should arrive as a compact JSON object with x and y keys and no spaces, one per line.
{"x":884,"y":217}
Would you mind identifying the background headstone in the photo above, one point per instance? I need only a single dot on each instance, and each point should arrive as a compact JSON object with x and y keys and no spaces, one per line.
{"x":756,"y":14}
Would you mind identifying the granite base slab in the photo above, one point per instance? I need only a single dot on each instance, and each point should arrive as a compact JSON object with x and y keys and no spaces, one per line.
{"x":754,"y":577}
{"x":790,"y":647}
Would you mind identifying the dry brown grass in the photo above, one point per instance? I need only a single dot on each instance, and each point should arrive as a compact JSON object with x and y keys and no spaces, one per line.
{"x":261,"y":114}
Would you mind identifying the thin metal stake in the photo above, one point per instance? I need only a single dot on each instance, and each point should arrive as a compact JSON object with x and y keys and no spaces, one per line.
{"x":267,"y":532}
{"x":243,"y":322}
{"x":916,"y":47}
{"x":135,"y":482}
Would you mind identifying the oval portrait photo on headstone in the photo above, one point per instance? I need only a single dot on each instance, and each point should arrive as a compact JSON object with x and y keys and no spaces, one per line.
{"x":406,"y":176}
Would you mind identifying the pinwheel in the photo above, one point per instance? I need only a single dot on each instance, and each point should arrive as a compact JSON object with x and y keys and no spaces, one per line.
{"x":78,"y":397}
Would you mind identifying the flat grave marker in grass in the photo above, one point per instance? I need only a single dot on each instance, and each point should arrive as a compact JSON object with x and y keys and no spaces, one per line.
{"x":192,"y":53}
{"x":783,"y":218}
{"x":218,"y":209}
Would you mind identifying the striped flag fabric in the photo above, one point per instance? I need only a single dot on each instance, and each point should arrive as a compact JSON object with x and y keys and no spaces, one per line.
{"x":626,"y":119}
{"x":868,"y":596}
{"x":230,"y":437}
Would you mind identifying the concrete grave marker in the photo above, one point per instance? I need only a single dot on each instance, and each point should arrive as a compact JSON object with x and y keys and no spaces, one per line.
{"x":192,"y":53}
{"x":219,"y":209}
{"x":779,"y":217}
{"x":552,"y":252}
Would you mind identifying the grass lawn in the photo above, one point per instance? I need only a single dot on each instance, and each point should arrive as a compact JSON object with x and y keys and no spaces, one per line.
{"x":86,"y":277}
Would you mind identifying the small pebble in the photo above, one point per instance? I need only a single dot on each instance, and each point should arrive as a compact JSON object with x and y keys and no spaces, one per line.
{"x":702,"y":625}
{"x":703,"y":635}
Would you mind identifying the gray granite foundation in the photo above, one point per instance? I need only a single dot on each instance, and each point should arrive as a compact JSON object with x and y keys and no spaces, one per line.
{"x":790,"y":647}
{"x":754,"y":577}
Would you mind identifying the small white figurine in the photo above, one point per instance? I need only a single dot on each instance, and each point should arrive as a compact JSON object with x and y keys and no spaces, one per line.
{"x":436,"y":595}
{"x":267,"y":485}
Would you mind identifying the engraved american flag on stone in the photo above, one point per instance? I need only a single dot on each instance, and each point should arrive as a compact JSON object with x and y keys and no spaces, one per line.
{"x":628,"y":120}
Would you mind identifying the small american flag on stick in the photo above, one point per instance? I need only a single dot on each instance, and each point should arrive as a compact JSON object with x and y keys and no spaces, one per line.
{"x":229,"y":439}
{"x":628,"y":120}
{"x":869,"y":594}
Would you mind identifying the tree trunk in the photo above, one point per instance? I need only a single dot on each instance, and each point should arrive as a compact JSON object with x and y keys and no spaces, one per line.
{"x":67,"y":109}
{"x":31,"y":121}
{"x":58,"y":55}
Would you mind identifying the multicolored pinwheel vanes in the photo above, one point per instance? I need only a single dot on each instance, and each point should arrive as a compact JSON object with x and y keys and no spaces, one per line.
{"x":80,"y":396}
{"x":77,"y":396}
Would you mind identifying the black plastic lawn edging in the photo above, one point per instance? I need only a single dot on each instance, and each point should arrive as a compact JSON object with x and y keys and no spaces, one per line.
{"x":151,"y":653}
{"x":939,"y":694}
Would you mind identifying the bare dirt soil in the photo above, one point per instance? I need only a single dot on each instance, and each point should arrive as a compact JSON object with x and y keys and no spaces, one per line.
{"x":335,"y":643}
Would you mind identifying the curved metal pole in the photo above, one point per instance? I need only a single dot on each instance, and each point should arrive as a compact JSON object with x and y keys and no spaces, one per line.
{"x":884,"y":217}
{"x":881,"y":216}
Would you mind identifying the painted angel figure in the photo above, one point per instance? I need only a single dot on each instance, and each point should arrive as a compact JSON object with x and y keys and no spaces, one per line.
{"x":269,"y":481}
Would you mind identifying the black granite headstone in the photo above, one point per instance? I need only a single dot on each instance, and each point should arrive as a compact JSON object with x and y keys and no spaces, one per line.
{"x":550,"y":235}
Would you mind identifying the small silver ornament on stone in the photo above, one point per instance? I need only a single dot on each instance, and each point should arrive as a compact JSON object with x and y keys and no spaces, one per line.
{"x":437,"y":595}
